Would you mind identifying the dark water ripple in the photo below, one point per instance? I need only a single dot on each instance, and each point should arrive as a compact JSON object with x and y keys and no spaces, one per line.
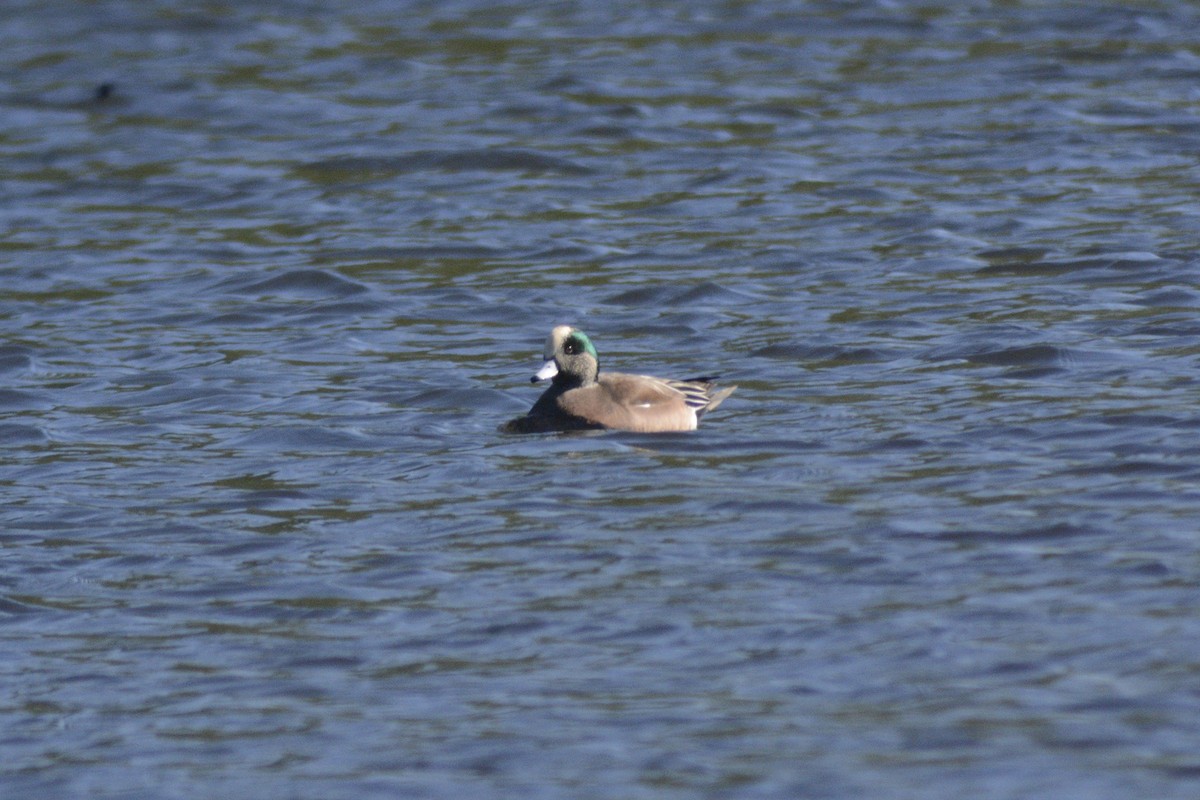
{"x":274,"y":276}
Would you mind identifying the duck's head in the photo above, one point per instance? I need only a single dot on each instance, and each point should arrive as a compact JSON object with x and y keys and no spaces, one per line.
{"x":570,"y":357}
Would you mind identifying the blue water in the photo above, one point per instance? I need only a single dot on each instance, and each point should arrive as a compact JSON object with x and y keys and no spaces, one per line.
{"x":274,"y":274}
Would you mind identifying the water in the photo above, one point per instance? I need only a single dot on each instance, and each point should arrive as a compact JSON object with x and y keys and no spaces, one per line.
{"x":275,"y":273}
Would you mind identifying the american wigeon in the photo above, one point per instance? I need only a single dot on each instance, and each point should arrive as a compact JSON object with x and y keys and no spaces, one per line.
{"x":580,"y":397}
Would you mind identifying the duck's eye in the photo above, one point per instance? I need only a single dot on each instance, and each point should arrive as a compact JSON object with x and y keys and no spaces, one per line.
{"x":571,"y":347}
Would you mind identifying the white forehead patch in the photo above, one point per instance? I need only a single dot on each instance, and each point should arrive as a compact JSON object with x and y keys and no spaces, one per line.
{"x":554,"y":340}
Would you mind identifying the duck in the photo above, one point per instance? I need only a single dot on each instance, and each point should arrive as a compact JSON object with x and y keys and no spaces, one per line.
{"x":581,"y":397}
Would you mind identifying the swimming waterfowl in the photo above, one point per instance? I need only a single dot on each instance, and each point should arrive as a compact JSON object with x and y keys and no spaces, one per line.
{"x":581,"y":397}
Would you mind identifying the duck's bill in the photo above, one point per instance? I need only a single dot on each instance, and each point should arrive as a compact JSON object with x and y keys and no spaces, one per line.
{"x":548,"y":371}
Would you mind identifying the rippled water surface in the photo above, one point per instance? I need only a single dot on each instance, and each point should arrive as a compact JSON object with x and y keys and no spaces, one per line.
{"x":274,"y":273}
